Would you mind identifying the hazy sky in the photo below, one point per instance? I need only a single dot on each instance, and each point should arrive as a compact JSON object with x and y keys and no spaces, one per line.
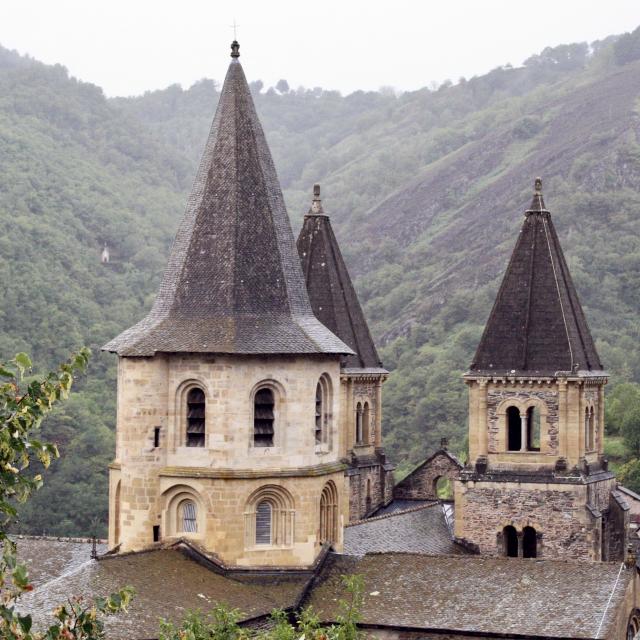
{"x":131,"y":46}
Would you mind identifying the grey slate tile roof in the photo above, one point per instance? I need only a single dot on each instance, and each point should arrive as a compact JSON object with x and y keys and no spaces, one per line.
{"x":537,"y":324}
{"x":478,"y":594}
{"x":167,"y":584}
{"x":333,"y":298}
{"x":417,"y":529}
{"x":233,"y":283}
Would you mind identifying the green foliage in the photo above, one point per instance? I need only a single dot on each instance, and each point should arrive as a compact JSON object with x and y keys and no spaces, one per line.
{"x":24,"y":402}
{"x":629,"y":475}
{"x":627,"y":47}
{"x":222,"y":623}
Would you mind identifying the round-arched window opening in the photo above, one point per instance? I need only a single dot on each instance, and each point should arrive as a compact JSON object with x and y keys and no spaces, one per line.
{"x":529,"y":543}
{"x":188,"y":516}
{"x":514,"y":429}
{"x":443,"y":488}
{"x":510,"y":536}
{"x":263,"y":417}
{"x":263,"y":523}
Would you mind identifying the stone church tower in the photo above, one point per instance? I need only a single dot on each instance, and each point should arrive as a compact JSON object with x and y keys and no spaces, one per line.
{"x":537,"y":482}
{"x":230,"y":390}
{"x":335,"y":304}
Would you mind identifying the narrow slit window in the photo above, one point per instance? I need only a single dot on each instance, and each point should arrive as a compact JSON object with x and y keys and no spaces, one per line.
{"x":359,"y":423}
{"x":195,"y":418}
{"x":156,"y":437}
{"x":319,"y":412}
{"x":263,"y":418}
{"x":263,"y":523}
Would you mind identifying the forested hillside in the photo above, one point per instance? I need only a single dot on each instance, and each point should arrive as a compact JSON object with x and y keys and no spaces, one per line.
{"x":426,"y":190}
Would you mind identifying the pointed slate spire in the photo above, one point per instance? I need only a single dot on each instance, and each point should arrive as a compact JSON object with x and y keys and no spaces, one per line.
{"x":333,"y":298}
{"x":233,"y":283}
{"x":537,"y":324}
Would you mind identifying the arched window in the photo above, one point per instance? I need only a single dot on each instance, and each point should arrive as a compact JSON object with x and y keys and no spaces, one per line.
{"x":329,"y":513}
{"x":529,"y":543}
{"x":263,"y":418}
{"x":514,"y":429}
{"x":365,"y":423}
{"x":510,"y":537}
{"x":187,"y":517}
{"x":533,"y":429}
{"x":263,"y":523}
{"x":195,"y":418}
{"x":359,"y":423}
{"x":269,"y":517}
{"x":443,"y":488}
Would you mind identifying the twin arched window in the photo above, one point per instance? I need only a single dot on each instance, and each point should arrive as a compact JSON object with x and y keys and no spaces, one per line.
{"x":589,"y":429}
{"x":515,"y":545}
{"x":523,"y":431}
{"x":363,"y":419}
{"x":329,"y":513}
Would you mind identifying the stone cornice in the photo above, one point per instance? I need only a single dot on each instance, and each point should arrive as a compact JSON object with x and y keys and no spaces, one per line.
{"x":294,"y":472}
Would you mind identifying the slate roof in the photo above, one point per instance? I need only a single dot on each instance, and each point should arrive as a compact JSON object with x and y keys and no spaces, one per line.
{"x":333,"y":298}
{"x":537,"y":325}
{"x":478,"y":594}
{"x":417,"y":529}
{"x":233,"y":283}
{"x":167,"y":585}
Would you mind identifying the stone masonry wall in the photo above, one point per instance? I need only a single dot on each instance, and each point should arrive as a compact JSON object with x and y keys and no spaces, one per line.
{"x":359,"y":507}
{"x":557,"y":512}
{"x":420,"y":484}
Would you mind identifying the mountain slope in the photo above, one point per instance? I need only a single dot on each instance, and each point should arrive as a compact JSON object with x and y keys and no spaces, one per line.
{"x":426,"y":191}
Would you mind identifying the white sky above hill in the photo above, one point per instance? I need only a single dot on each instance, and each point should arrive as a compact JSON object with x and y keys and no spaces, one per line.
{"x":128,"y":47}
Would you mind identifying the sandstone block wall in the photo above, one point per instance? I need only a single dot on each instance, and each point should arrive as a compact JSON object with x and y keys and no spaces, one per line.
{"x":222,"y":475}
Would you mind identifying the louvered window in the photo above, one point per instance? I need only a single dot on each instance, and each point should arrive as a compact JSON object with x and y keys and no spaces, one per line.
{"x":263,"y":418}
{"x":263,"y":523}
{"x":319,"y":412}
{"x":188,"y":513}
{"x":195,"y":418}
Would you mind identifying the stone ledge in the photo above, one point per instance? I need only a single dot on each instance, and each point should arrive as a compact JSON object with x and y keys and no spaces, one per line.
{"x":242,"y":474}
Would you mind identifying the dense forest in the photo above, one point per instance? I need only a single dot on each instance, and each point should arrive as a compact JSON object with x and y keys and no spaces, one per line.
{"x":426,"y":191}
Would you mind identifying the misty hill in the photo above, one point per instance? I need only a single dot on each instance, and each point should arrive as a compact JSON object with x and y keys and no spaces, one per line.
{"x":426,"y":191}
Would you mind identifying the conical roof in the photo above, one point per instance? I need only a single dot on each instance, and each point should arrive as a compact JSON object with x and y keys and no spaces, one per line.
{"x":233,"y":283}
{"x":333,"y":298}
{"x":537,"y":324}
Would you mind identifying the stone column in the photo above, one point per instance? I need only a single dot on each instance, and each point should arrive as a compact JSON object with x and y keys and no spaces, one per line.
{"x":601,"y":420}
{"x":562,"y":419}
{"x":378,"y":420}
{"x":483,"y":435}
{"x":523,"y":432}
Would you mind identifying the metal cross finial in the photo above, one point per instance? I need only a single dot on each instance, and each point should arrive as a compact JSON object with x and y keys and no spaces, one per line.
{"x":235,"y":26}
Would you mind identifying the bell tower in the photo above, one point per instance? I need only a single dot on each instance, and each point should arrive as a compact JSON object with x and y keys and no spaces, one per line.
{"x":229,"y":414}
{"x":537,"y":482}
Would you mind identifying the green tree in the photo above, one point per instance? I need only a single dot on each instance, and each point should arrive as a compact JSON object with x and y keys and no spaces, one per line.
{"x":24,"y":402}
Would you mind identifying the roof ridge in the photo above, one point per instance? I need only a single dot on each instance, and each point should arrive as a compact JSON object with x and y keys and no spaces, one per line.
{"x":392,"y":514}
